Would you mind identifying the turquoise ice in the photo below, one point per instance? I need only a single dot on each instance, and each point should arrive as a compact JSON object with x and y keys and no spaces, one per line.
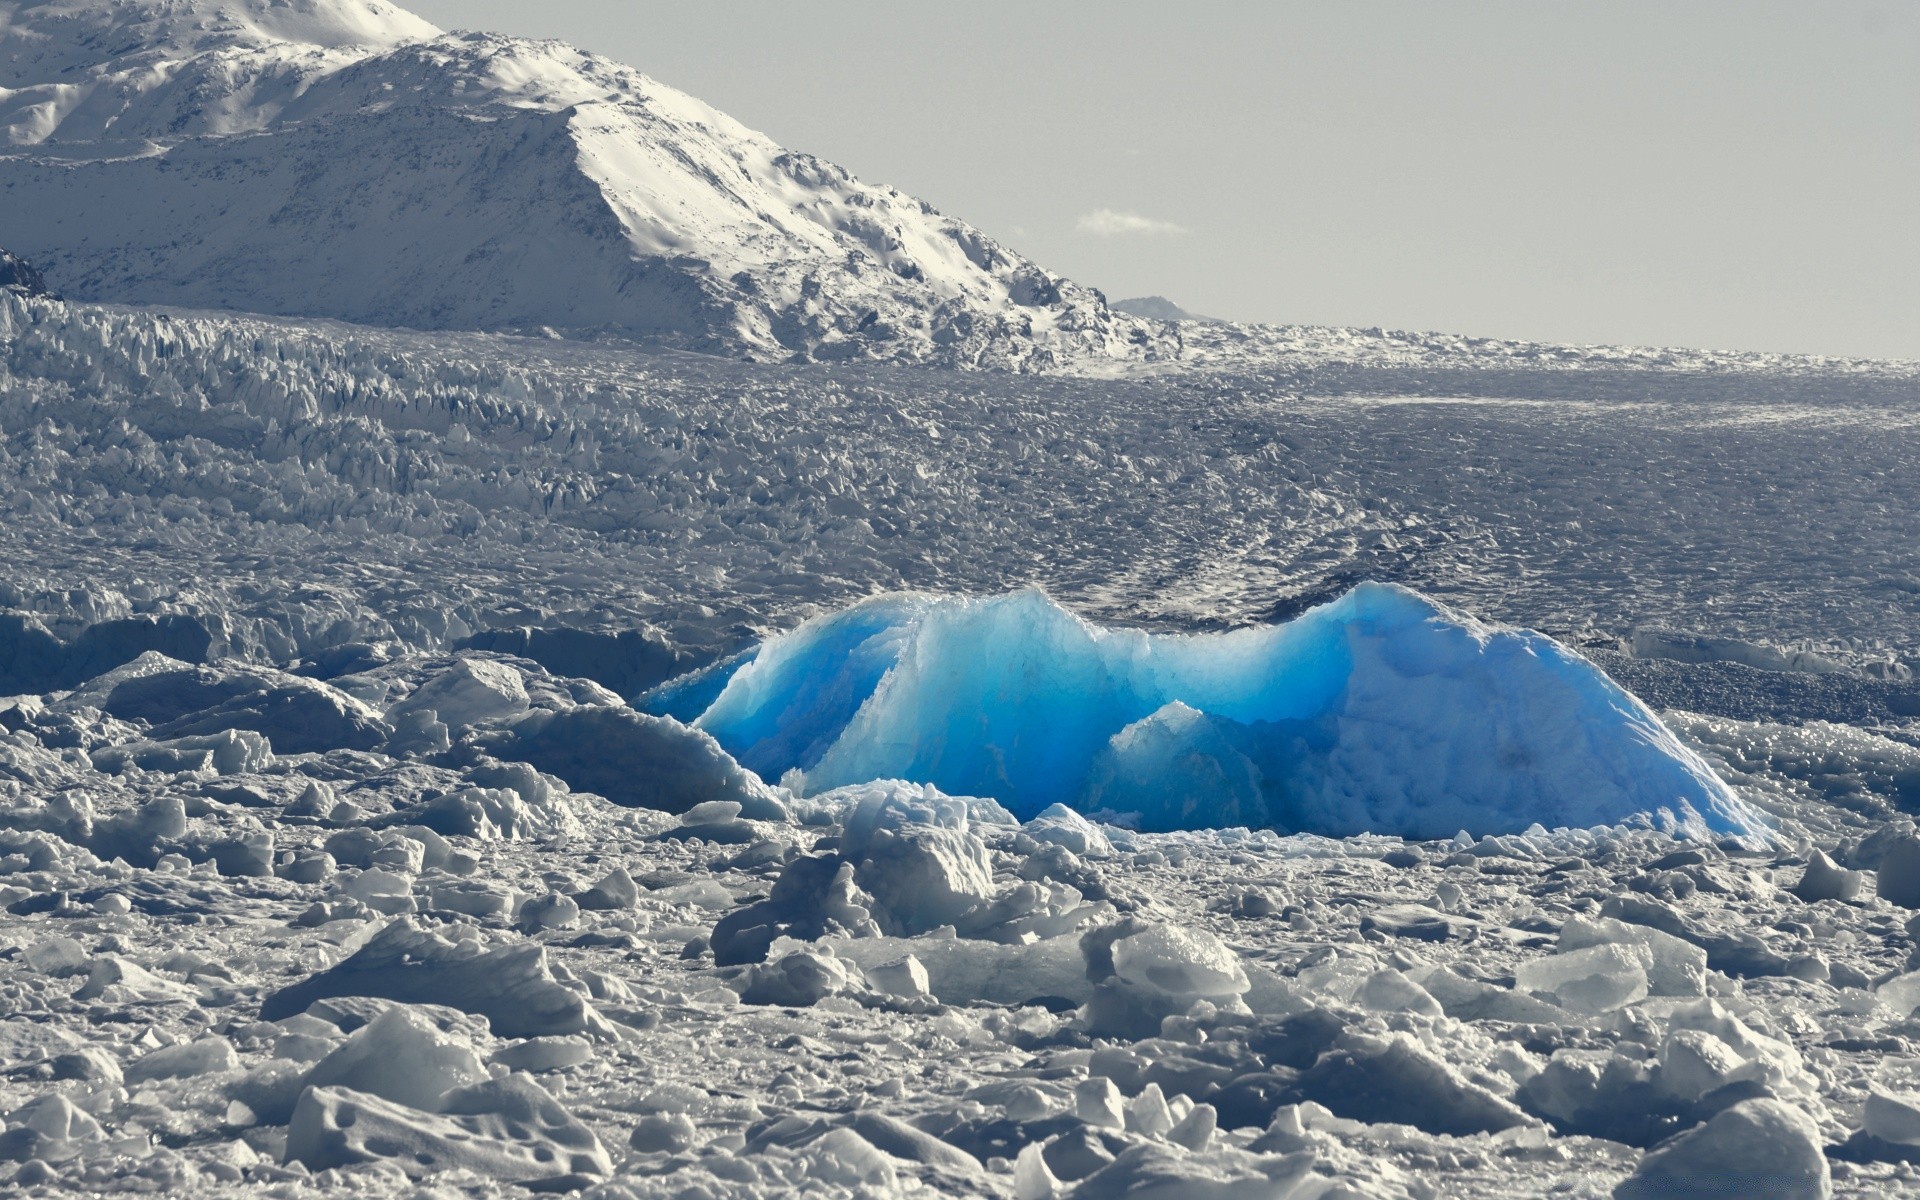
{"x":1383,"y":711}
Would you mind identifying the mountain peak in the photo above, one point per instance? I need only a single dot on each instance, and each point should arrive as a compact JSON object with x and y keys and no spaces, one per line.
{"x":61,"y":37}
{"x":342,"y":158}
{"x":1159,"y":308}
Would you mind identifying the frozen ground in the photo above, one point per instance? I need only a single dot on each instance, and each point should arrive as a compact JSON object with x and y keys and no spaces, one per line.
{"x":336,"y":858}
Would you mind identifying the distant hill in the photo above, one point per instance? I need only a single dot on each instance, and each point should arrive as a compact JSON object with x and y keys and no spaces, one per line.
{"x":344,"y":158}
{"x":1159,"y":308}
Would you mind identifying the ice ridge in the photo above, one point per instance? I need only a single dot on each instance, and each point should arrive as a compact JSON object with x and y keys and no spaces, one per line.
{"x":1382,"y":711}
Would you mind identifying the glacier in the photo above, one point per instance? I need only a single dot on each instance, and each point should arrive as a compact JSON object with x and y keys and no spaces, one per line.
{"x":1382,"y":711}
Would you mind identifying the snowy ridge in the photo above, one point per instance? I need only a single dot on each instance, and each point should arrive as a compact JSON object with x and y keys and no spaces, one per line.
{"x":366,"y":167}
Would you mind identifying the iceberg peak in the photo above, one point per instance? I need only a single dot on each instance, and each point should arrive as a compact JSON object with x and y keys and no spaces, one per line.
{"x":1382,"y":711}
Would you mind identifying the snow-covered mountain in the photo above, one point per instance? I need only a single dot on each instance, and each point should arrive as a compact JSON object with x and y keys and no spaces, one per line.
{"x":344,"y":158}
{"x":20,"y":276}
{"x":1159,"y":308}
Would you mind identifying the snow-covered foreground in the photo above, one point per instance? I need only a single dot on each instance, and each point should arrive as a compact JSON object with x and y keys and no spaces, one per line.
{"x":341,"y":850}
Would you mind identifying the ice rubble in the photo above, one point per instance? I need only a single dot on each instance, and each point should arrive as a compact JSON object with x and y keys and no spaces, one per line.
{"x":1382,"y":711}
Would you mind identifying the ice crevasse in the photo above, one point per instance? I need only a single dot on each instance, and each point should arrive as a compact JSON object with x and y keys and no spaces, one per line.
{"x":1382,"y":711}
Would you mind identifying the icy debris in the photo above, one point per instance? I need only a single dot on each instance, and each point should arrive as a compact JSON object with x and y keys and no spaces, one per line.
{"x":58,"y":957}
{"x":1418,"y":921}
{"x":1032,"y":1178}
{"x":1767,"y":1060}
{"x":536,"y":1055}
{"x":88,"y":1064}
{"x":1380,"y":711}
{"x":1674,"y":966}
{"x":1825,"y":879}
{"x":386,"y":892}
{"x":296,"y":715}
{"x":658,"y":1133}
{"x":1898,"y":881}
{"x":1158,"y":1169}
{"x":1182,"y":964}
{"x":1475,"y":1000}
{"x":1061,"y":826}
{"x":1892,"y":1117}
{"x":916,"y":854}
{"x":118,"y":980}
{"x":470,"y":692}
{"x":616,"y":890}
{"x":549,"y":912}
{"x":1758,"y":1149}
{"x":401,"y":1056}
{"x":490,"y":814}
{"x":636,"y":760}
{"x":1389,"y":991}
{"x":800,"y":979}
{"x":1142,"y":973}
{"x":508,"y":1129}
{"x":972,"y":971}
{"x":815,"y":896}
{"x":511,"y":986}
{"x":205,"y":1056}
{"x":229,"y":752}
{"x":1098,"y":1101}
{"x":55,"y":1116}
{"x":1595,"y":980}
{"x":1694,"y":1062}
{"x":905,"y":977}
{"x":1375,"y":1079}
{"x":895,"y":1137}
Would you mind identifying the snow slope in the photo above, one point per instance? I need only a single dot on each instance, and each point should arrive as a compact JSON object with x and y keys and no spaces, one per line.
{"x":342,"y":158}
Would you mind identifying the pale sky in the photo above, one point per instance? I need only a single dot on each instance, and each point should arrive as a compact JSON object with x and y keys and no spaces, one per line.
{"x":1737,"y":175}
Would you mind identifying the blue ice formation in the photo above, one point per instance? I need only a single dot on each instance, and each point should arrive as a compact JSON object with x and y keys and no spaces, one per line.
{"x":1380,"y":712}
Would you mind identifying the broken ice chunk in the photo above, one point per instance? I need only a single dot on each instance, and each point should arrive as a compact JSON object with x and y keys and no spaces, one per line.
{"x":1595,"y":980}
{"x":401,"y":1056}
{"x":508,"y":1129}
{"x":545,"y":1054}
{"x":1179,"y":963}
{"x":1389,"y":991}
{"x":511,"y":986}
{"x":800,"y":979}
{"x":616,"y":891}
{"x":1756,"y":1150}
{"x":1893,"y":1117}
{"x":1376,"y":1080}
{"x":58,"y":957}
{"x":56,"y":1117}
{"x":1825,"y":879}
{"x":471,"y":691}
{"x":1674,"y":966}
{"x":206,"y":1056}
{"x":905,"y":977}
{"x":1898,"y":880}
{"x":1061,"y":826}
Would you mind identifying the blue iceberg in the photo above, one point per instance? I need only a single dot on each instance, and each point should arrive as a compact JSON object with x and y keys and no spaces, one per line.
{"x":1380,"y":712}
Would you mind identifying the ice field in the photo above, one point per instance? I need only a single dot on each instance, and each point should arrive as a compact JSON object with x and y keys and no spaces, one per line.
{"x":670,"y":672}
{"x":365,"y":822}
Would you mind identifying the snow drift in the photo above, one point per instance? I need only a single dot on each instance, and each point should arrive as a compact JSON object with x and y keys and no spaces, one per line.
{"x":1382,"y":711}
{"x":343,"y":158}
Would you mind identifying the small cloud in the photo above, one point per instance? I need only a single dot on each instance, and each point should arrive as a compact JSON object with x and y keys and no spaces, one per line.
{"x":1105,"y":222}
